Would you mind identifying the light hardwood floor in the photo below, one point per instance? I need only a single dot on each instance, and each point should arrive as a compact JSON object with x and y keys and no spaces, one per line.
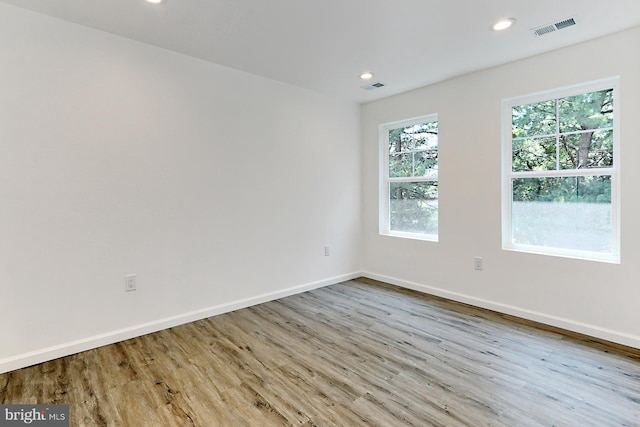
{"x":356,"y":353}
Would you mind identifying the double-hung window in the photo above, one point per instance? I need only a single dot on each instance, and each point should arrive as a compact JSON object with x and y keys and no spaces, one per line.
{"x":561,"y":172}
{"x":409,"y":178}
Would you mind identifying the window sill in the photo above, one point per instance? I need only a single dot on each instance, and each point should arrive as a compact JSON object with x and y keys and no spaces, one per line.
{"x":413,"y":236}
{"x":578,"y":255}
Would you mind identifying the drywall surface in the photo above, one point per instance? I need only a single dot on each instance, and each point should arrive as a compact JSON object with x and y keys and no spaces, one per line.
{"x":217,"y":188}
{"x":597,"y":298}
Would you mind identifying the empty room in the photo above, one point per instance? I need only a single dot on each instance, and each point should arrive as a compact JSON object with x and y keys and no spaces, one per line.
{"x":337,"y":213}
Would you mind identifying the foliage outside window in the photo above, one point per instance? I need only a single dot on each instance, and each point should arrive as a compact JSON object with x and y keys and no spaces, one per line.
{"x":561,"y":173}
{"x":409,"y":193}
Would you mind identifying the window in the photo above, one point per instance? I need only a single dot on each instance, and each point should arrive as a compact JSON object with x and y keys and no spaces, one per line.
{"x":561,"y":172}
{"x":409,"y":184}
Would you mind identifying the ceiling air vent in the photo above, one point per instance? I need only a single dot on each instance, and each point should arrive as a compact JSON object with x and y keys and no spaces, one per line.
{"x":541,"y":31}
{"x":552,"y":28}
{"x":373,"y":86}
{"x":566,"y":23}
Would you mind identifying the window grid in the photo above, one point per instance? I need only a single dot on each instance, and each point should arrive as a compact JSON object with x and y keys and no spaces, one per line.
{"x":579,"y":170}
{"x":429,"y":179}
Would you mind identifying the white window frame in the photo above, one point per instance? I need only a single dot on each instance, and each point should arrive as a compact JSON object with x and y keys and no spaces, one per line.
{"x":614,"y":171}
{"x":385,"y":180}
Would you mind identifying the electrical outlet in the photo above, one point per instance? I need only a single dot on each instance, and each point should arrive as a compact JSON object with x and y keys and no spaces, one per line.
{"x":130,"y":282}
{"x":477,"y":263}
{"x":327,"y":250}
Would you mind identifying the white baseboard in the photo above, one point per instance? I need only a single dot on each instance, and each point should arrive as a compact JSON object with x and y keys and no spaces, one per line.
{"x":65,"y":349}
{"x":42,"y":355}
{"x":570,"y":325}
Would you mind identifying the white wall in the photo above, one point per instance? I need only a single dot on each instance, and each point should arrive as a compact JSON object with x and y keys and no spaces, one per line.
{"x":596,"y":298}
{"x":219,"y":189}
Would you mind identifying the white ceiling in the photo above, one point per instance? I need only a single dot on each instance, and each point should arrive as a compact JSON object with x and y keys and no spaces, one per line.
{"x":324,"y":45}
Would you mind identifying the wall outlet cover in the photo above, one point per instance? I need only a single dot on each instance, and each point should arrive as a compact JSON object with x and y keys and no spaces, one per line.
{"x":130,"y":282}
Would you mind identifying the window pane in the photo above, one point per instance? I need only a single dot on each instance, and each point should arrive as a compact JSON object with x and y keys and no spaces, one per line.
{"x":593,"y":149}
{"x":400,"y":165}
{"x":413,"y":207}
{"x":586,"y":111}
{"x":537,"y":154}
{"x":569,"y":212}
{"x":601,"y":149}
{"x":426,"y":136}
{"x":423,"y":136}
{"x":426,"y":163}
{"x":534,"y":119}
{"x":398,"y":141}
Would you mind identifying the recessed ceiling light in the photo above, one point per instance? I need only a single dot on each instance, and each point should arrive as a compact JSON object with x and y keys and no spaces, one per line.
{"x":366,"y":75}
{"x":503,"y":24}
{"x":155,"y":1}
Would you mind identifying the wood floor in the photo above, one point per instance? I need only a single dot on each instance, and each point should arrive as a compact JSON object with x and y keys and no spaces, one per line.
{"x":351,"y":354}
